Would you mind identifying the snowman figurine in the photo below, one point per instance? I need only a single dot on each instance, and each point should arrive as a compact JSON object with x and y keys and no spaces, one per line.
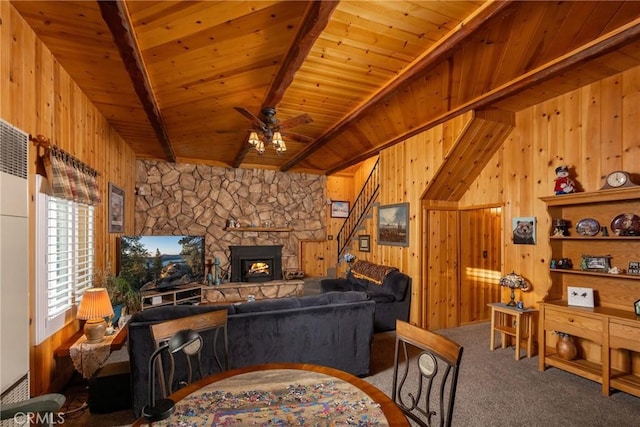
{"x":564,"y":184}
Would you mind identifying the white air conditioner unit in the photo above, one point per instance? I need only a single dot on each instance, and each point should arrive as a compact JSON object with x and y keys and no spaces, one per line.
{"x":14,"y":263}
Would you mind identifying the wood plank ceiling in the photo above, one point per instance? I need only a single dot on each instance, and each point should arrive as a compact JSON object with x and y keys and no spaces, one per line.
{"x":168,"y":74}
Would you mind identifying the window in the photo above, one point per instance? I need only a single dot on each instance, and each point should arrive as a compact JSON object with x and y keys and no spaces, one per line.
{"x":65,"y":257}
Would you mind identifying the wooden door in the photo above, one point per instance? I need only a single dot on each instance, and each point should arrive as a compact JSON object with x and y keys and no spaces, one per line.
{"x":441,"y":253}
{"x":313,"y":258}
{"x":480,"y":262}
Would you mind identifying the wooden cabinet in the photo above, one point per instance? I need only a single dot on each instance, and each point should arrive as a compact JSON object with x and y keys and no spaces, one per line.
{"x":607,"y":336}
{"x":184,"y":294}
{"x":614,"y":334}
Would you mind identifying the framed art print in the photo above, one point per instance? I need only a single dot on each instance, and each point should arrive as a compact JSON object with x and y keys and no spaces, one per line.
{"x":581,"y":297}
{"x":116,"y":209}
{"x":524,"y":230}
{"x":393,"y":225}
{"x":339,"y":209}
{"x":364,"y":243}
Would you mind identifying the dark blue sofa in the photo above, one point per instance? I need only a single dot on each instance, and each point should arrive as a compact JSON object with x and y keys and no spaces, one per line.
{"x":333,"y":329}
{"x":388,"y":287}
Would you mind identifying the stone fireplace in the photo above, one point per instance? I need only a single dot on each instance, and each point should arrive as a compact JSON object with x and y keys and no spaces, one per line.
{"x":256,"y":263}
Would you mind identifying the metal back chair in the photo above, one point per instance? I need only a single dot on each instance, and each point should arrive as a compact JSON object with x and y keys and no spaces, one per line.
{"x":162,"y":332}
{"x":435,"y":369}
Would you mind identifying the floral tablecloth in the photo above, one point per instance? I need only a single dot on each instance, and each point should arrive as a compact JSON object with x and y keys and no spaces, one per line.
{"x":278,"y":397}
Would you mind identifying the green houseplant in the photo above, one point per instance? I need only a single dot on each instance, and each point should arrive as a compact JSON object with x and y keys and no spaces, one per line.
{"x":125,"y":298}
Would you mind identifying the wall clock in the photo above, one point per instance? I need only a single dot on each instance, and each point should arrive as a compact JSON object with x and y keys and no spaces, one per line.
{"x":618,"y":179}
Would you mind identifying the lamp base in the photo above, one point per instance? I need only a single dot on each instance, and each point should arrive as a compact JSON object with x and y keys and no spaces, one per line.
{"x":95,"y":329}
{"x":160,"y":410}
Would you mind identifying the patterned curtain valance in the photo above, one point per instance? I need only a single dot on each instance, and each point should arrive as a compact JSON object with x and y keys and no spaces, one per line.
{"x":68,"y":177}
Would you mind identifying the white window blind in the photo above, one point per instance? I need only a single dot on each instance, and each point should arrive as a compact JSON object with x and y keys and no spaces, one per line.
{"x":66,"y":255}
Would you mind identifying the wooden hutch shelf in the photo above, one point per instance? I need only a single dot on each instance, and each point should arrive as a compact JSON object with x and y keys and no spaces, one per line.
{"x":608,"y":335}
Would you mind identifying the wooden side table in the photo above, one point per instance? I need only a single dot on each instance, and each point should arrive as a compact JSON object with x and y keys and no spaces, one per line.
{"x":510,"y":321}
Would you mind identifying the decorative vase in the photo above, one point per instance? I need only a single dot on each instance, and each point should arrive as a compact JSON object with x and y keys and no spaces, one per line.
{"x":566,"y":348}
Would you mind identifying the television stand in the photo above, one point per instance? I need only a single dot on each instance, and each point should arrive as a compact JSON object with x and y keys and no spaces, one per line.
{"x":191,"y":293}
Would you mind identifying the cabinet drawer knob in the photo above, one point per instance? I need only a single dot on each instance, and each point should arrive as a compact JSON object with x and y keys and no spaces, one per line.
{"x":571,"y":319}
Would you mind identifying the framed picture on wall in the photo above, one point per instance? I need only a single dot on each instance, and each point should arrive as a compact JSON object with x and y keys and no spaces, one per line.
{"x":339,"y":209}
{"x":364,"y":243}
{"x":524,"y":230}
{"x":393,"y":225}
{"x":116,"y":209}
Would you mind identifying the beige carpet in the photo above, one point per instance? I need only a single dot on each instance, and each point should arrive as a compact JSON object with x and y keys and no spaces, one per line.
{"x":493,"y":390}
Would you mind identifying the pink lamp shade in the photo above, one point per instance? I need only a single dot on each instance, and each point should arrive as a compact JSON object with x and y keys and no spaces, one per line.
{"x":94,"y":307}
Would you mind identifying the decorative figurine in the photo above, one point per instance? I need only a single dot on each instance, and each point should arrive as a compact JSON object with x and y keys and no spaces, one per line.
{"x":216,"y":265}
{"x":560,"y":227}
{"x":604,"y":231}
{"x":564,"y":184}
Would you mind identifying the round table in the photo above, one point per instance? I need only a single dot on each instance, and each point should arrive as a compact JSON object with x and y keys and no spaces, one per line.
{"x":282,"y":394}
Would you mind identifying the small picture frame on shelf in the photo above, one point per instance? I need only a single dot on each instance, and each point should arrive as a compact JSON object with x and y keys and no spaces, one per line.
{"x":580,"y":297}
{"x":601,"y":263}
{"x":634,"y":267}
{"x":636,"y":307}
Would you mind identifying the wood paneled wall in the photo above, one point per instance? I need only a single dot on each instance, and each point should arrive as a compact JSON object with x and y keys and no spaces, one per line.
{"x":38,"y":97}
{"x":594,"y":130}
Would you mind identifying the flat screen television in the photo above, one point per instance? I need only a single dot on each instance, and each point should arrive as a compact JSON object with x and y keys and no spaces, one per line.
{"x":161,"y":262}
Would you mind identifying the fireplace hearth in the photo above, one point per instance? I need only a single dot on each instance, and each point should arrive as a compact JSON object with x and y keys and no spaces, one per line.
{"x":256,"y":263}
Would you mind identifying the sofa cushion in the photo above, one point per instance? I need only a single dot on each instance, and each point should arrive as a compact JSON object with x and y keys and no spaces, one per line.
{"x":397,"y":284}
{"x":372,"y":272}
{"x":382,"y":297}
{"x":267,"y":305}
{"x":342,"y":297}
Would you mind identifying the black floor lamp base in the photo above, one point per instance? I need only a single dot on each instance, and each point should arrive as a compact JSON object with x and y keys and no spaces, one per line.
{"x":161,"y":409}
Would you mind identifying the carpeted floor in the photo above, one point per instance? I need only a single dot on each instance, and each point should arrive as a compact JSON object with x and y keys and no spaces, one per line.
{"x":493,"y":389}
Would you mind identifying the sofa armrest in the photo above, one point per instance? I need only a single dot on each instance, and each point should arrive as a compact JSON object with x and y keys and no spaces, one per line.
{"x":330,"y":285}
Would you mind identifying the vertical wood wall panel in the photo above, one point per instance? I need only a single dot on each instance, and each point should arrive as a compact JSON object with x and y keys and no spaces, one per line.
{"x":39,"y":97}
{"x":594,"y":130}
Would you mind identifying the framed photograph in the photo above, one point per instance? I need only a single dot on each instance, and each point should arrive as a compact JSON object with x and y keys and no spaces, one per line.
{"x":524,"y":230}
{"x":595,"y":263}
{"x":393,"y":225}
{"x":636,"y":307}
{"x":634,"y":267}
{"x":364,"y":243}
{"x":116,"y":209}
{"x":339,"y":209}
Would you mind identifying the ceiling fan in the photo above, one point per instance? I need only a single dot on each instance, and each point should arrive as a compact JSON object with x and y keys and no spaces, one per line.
{"x":270,"y":130}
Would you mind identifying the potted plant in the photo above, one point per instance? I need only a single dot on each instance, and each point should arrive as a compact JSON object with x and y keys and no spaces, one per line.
{"x":124,"y":297}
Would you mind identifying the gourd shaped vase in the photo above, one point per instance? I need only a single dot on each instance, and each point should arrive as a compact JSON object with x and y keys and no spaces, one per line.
{"x":566,"y":348}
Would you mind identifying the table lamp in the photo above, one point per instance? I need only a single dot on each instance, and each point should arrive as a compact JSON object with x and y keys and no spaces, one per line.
{"x":157,"y":410}
{"x":94,"y":307}
{"x":513,"y":281}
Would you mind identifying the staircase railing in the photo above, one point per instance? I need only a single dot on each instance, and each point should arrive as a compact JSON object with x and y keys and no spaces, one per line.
{"x":360,"y":208}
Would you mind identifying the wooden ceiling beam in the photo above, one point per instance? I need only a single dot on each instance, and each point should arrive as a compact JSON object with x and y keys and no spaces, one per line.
{"x":314,"y":21}
{"x":428,"y":59}
{"x":115,"y":14}
{"x":607,"y":43}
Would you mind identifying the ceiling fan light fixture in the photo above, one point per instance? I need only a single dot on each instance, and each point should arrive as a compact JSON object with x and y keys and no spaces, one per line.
{"x":253,"y":139}
{"x":260,"y":147}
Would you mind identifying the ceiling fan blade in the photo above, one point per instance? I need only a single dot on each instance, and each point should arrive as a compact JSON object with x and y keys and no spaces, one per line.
{"x":250,"y":116}
{"x":297,"y":137}
{"x":302,"y":119}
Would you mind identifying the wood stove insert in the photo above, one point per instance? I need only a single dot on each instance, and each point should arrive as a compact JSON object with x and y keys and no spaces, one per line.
{"x":256,"y":263}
